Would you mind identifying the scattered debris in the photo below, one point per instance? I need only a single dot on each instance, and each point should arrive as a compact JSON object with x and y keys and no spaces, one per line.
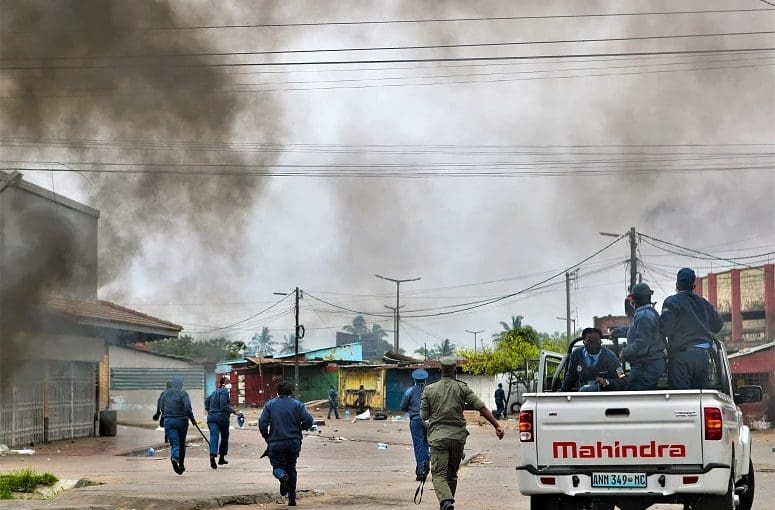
{"x":382,"y":446}
{"x":366,"y":415}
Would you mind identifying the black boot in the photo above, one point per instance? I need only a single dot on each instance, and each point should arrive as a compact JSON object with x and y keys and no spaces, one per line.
{"x":291,"y":501}
{"x":212,"y":462}
{"x":284,"y":484}
{"x":223,"y":460}
{"x":176,"y":466}
{"x":447,"y":504}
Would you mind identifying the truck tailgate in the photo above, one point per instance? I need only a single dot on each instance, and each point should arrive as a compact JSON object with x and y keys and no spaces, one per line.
{"x":619,"y":428}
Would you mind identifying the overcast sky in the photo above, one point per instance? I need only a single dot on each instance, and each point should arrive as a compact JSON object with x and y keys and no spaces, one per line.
{"x":330,"y":235}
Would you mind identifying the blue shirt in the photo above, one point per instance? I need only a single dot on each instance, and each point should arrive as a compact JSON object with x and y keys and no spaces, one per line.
{"x":688,"y":320}
{"x":333,"y":396}
{"x":500,"y":395}
{"x":220,"y":402}
{"x":644,"y":336}
{"x":411,"y":401}
{"x":176,"y":402}
{"x":283,"y":418}
{"x":580,"y":370}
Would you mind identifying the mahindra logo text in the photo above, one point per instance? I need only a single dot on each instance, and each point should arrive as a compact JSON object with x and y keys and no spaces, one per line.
{"x":570,"y":449}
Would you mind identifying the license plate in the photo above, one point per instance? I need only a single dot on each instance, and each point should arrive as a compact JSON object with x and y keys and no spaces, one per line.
{"x":617,"y":480}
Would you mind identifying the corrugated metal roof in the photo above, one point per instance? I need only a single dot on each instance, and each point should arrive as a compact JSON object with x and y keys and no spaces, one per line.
{"x":86,"y":311}
{"x":751,"y":350}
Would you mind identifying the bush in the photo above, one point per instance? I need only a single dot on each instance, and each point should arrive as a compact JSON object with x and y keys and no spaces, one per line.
{"x":23,"y":480}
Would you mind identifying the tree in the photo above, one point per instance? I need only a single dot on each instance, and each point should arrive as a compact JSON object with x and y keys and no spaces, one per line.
{"x":263,"y":343}
{"x":213,"y":349}
{"x":377,"y":332}
{"x":423,"y":352}
{"x":358,"y":327}
{"x":510,"y":354}
{"x":288,"y":346}
{"x":515,"y":324}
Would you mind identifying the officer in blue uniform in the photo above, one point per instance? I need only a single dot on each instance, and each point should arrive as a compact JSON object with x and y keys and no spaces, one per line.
{"x":646,"y":345}
{"x":593,"y":367}
{"x":500,"y":402}
{"x":159,"y":407}
{"x":690,"y":323}
{"x":218,"y":412}
{"x":177,"y":412}
{"x":410,"y":404}
{"x":280,"y":424}
{"x":333,"y":402}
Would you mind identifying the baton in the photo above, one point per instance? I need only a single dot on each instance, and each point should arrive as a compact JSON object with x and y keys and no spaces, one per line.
{"x":203,"y":434}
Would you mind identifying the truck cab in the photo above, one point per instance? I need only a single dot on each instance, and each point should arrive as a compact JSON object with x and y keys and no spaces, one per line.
{"x":633,"y":449}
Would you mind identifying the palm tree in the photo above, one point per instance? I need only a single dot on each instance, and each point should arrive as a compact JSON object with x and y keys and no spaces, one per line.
{"x":263,"y":343}
{"x":445,"y":348}
{"x":358,"y":327}
{"x":377,"y":332}
{"x":516,"y":325}
{"x":288,"y":346}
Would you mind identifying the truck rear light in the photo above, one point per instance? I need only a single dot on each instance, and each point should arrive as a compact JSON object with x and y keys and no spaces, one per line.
{"x":714,"y":429}
{"x":526,"y":426}
{"x":690,"y":480}
{"x":547,"y":480}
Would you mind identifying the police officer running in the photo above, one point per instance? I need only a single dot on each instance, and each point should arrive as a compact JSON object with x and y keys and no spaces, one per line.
{"x":218,"y":411}
{"x":280,"y":424}
{"x":160,"y":407}
{"x":500,"y":402}
{"x":177,"y":413}
{"x":333,"y":398}
{"x":410,"y":404}
{"x":593,"y":367}
{"x":441,"y":406}
{"x":646,"y":345}
{"x":689,"y":322}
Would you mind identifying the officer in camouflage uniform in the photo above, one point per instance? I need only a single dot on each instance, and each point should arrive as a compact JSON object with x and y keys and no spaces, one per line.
{"x":442,"y":406}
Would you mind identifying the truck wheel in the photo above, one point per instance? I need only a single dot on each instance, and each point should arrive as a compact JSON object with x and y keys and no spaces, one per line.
{"x":725,"y":502}
{"x":514,"y":408}
{"x":746,"y":499}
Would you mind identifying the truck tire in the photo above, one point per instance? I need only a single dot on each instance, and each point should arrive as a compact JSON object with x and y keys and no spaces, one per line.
{"x":547,"y":502}
{"x":514,"y":408}
{"x":746,"y":499}
{"x":725,"y":502}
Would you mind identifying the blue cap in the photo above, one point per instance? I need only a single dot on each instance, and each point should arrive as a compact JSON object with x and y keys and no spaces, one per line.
{"x":686,"y":275}
{"x":420,"y":374}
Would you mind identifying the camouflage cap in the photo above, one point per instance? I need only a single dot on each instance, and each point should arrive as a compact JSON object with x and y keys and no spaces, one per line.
{"x":448,"y":361}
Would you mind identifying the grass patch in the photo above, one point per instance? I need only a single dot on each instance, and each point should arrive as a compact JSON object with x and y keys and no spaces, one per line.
{"x":23,"y":480}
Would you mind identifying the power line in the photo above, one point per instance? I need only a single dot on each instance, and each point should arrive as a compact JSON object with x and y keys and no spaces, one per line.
{"x":418,"y":60}
{"x":246,"y":319}
{"x":711,"y":257}
{"x":412,"y":21}
{"x":90,"y":92}
{"x":392,"y":48}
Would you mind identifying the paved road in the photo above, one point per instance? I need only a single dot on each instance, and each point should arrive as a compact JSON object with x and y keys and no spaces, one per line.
{"x":352,"y":473}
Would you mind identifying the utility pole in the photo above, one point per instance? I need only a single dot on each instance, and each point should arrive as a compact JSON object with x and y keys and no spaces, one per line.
{"x":475,"y":333}
{"x":299,"y":335}
{"x":398,"y":283}
{"x":633,"y":258}
{"x":395,"y":322}
{"x":567,"y":307}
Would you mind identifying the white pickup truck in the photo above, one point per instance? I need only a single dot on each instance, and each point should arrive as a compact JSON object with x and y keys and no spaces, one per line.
{"x":600,"y":450}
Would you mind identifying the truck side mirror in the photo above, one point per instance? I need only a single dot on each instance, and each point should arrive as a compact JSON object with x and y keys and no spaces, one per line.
{"x":746,"y":394}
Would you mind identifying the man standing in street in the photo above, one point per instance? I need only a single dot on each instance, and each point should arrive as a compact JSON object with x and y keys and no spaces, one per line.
{"x":690,"y":323}
{"x":410,"y":404}
{"x":333,"y":398}
{"x":500,"y":402}
{"x":645,"y":350}
{"x":360,"y":403}
{"x":442,"y":407}
{"x":280,"y":424}
{"x":218,"y":412}
{"x":177,"y":412}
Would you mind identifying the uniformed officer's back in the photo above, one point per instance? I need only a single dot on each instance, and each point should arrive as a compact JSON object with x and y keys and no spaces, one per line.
{"x":446,"y":400}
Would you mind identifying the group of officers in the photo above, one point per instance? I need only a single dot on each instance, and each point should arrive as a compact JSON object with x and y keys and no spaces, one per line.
{"x":679,"y":341}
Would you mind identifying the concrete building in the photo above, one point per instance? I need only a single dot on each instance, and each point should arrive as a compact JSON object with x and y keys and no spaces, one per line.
{"x":54,"y":332}
{"x":756,"y":365}
{"x":745,"y":298}
{"x":137,"y":378}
